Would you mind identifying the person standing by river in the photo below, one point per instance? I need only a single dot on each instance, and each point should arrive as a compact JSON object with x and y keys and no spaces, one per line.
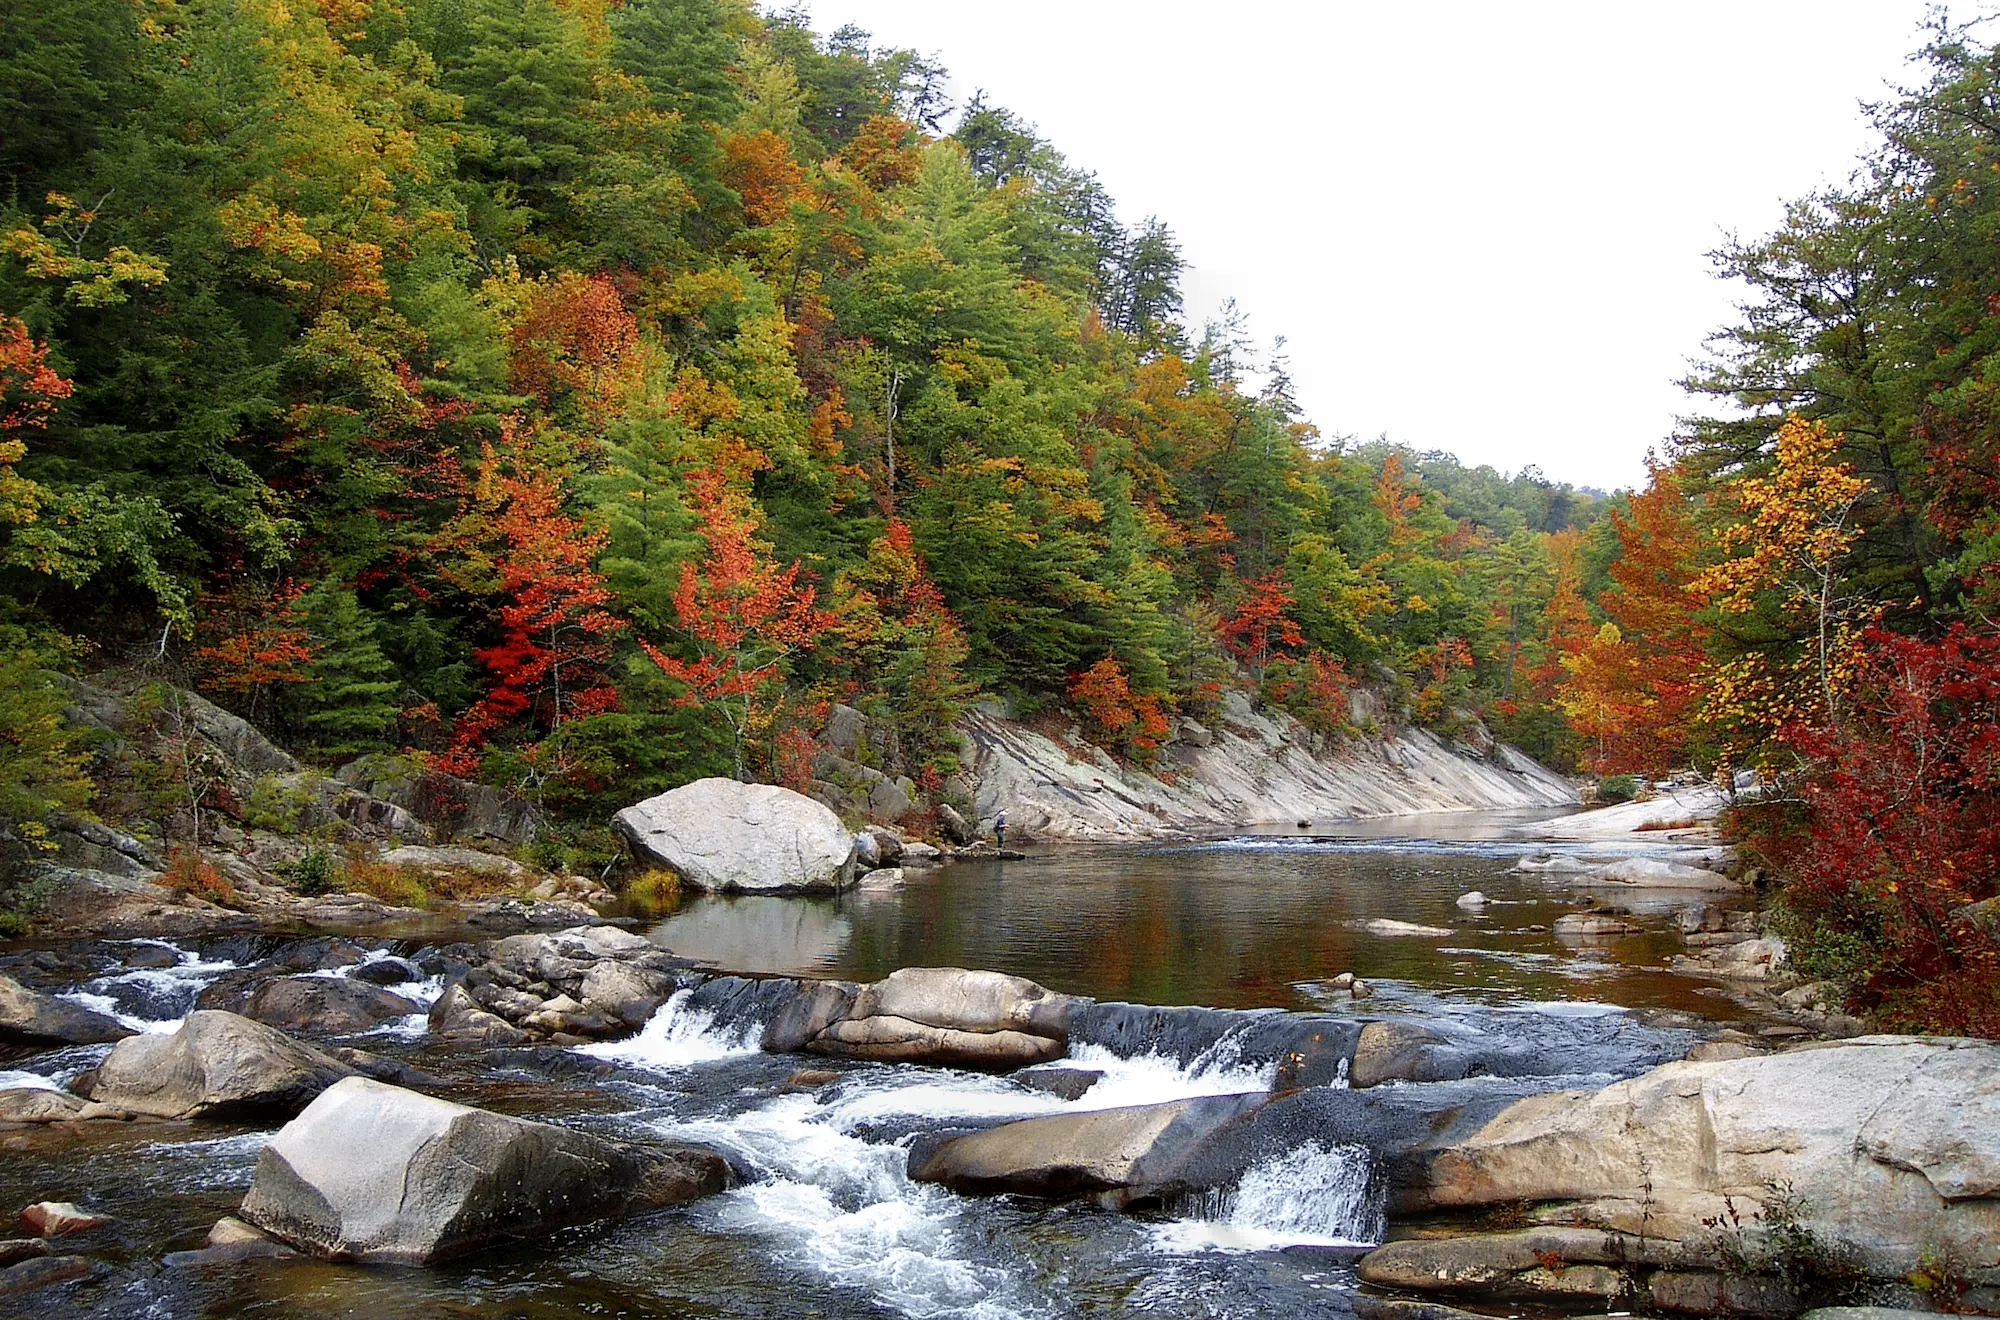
{"x":1000,"y":831}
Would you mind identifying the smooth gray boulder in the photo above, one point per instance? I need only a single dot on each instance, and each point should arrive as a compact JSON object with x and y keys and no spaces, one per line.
{"x":375,"y":1173}
{"x":218,"y":1065}
{"x":1891,"y":1143}
{"x":35,"y":1018}
{"x":1121,"y":1156}
{"x":722,"y":836}
{"x":330,"y":1005}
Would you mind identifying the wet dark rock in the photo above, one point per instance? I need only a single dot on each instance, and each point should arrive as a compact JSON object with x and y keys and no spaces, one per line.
{"x":31,"y":1016}
{"x":15,"y":1250}
{"x":217,"y":1065}
{"x":1309,"y":1049}
{"x":387,"y":971}
{"x":34,"y":1275}
{"x":375,"y":1066}
{"x":376,"y":1173}
{"x":1370,"y":1307}
{"x":325,"y":1005}
{"x":1068,"y":1083}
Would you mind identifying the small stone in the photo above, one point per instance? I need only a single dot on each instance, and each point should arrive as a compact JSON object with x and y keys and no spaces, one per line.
{"x":1475,"y":899}
{"x":55,"y":1218}
{"x":1341,"y":982}
{"x":812,"y":1077}
{"x":1360,"y":989}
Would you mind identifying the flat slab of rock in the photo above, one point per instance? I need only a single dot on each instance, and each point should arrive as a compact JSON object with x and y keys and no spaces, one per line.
{"x":20,"y":1105}
{"x":719,"y":835}
{"x":1120,"y":1154}
{"x":217,"y":1065}
{"x":1892,"y":1143}
{"x":1652,"y":873}
{"x":375,"y":1173}
{"x":33,"y":1017}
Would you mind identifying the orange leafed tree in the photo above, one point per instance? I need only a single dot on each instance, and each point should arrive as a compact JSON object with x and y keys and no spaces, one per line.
{"x":256,"y":640}
{"x":575,"y":340}
{"x":1258,"y":627}
{"x":1782,"y":575}
{"x":740,"y":616}
{"x":29,"y":392}
{"x":760,"y":169}
{"x":1118,"y":716}
{"x":1660,"y":649}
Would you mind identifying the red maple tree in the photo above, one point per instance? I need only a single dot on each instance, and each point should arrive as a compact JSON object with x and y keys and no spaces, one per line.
{"x":549,"y":665}
{"x":1258,"y":628}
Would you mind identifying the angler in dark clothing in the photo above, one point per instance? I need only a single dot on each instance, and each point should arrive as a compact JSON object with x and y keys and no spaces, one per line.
{"x":1000,"y":830}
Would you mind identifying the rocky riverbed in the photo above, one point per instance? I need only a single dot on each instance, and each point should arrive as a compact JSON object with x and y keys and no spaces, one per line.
{"x":244,"y":1113}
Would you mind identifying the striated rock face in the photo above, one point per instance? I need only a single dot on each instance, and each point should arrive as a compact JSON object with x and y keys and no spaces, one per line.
{"x":218,"y":1065}
{"x":376,"y":1173}
{"x":35,"y":1018}
{"x":717,"y":834}
{"x":1249,"y":768}
{"x":1892,"y":1143}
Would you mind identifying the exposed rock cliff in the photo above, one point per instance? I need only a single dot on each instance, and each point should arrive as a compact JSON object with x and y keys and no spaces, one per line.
{"x":1252,"y":768}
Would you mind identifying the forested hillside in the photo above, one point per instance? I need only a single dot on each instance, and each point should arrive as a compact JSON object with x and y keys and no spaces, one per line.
{"x":584,"y":395}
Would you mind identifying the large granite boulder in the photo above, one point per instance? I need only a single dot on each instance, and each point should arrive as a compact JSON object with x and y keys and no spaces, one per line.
{"x":1890,"y":1144}
{"x":376,"y":1173}
{"x":719,"y":835}
{"x":31,"y":1017}
{"x":1121,"y":1156}
{"x":218,"y":1065}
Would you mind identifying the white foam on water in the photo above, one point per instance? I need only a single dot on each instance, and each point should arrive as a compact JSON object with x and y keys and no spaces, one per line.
{"x":15,"y":1079}
{"x":1151,"y":1079}
{"x":188,"y":978}
{"x":677,"y":1036}
{"x":844,"y":1207}
{"x":1312,"y":1195}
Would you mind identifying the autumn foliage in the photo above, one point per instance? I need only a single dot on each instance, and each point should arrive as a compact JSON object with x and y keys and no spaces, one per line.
{"x":1899,"y":846}
{"x":740,"y":615}
{"x":1117,"y":716}
{"x":548,"y":668}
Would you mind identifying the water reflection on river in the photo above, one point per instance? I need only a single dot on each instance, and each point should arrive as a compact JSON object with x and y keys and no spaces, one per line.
{"x":1251,"y":922}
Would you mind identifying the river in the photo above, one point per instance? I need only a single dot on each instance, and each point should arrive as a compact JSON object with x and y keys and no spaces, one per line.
{"x":825,"y":1223}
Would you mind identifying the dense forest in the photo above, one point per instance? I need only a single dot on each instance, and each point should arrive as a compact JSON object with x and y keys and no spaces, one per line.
{"x":586,"y":395}
{"x":583,"y":396}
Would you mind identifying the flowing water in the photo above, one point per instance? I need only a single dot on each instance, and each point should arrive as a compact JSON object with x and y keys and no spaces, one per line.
{"x":825,"y":1221}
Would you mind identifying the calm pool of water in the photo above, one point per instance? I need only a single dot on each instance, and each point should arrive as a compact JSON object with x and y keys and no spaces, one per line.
{"x":1254,"y":921}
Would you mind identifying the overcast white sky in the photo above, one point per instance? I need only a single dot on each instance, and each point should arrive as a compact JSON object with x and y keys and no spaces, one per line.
{"x":1481,"y":225}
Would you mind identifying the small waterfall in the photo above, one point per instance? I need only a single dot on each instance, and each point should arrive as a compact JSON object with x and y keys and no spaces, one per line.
{"x":151,"y":999}
{"x":1314,"y":1194}
{"x":679,"y":1035}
